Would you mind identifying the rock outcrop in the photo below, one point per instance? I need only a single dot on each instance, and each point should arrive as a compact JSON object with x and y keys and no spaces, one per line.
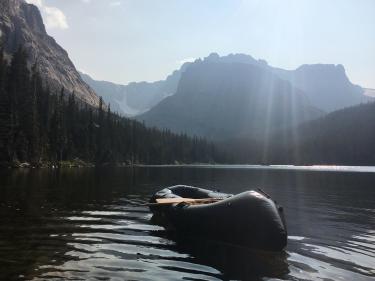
{"x":21,"y":24}
{"x":327,"y":85}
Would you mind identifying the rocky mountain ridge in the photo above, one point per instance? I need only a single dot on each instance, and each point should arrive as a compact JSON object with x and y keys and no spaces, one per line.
{"x":21,"y":24}
{"x":326,"y":85}
{"x":136,"y":97}
{"x":237,"y":96}
{"x":231,"y":100}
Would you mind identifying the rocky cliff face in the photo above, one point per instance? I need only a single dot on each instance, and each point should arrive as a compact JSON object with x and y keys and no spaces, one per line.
{"x":22,"y":24}
{"x":223,"y":101}
{"x":327,"y":85}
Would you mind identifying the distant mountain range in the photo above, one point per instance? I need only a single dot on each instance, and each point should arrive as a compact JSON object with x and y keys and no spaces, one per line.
{"x":229,"y":100}
{"x":256,"y":113}
{"x":234,"y":95}
{"x":370,"y":92}
{"x":21,"y":25}
{"x":237,"y":96}
{"x":326,"y":85}
{"x":136,"y":97}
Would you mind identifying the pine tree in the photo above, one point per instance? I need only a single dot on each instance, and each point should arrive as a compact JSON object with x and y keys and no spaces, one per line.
{"x":109,"y":144}
{"x":70,"y":125}
{"x":100,"y":133}
{"x":57,"y":130}
{"x":36,"y":124}
{"x":5,"y":113}
{"x":18,"y":88}
{"x":44,"y":114}
{"x":91,"y":135}
{"x":32,"y":119}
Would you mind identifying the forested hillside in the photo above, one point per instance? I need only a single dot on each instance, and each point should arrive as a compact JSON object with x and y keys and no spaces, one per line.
{"x":39,"y":126}
{"x":343,"y":137}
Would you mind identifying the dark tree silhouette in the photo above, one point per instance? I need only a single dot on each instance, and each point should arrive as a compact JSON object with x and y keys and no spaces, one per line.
{"x":39,"y":126}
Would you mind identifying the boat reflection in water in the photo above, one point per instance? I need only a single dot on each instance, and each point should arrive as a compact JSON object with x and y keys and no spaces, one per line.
{"x":234,"y":262}
{"x":224,"y":233}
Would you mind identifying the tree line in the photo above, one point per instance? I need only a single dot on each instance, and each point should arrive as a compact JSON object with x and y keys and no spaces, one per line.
{"x":39,"y":125}
{"x":343,"y":137}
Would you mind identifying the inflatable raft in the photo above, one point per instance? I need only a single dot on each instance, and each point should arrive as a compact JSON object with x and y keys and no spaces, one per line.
{"x":250,"y":219}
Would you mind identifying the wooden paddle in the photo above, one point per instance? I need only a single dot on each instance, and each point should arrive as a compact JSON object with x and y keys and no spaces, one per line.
{"x":169,"y":201}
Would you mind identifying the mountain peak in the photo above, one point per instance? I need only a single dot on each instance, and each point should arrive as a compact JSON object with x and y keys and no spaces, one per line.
{"x":234,"y":58}
{"x":212,"y":57}
{"x":33,"y":18}
{"x":322,"y":67}
{"x":21,"y":24}
{"x":26,"y":13}
{"x":327,"y":85}
{"x":324,"y":72}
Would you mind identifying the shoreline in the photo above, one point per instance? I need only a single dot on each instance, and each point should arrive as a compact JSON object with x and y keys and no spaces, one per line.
{"x":307,"y":168}
{"x":77,"y":163}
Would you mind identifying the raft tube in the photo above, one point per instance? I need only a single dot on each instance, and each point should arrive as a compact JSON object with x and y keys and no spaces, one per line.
{"x":250,"y":219}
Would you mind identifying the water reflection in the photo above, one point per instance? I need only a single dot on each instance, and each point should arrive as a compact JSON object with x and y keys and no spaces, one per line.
{"x":90,"y":224}
{"x":235,"y":262}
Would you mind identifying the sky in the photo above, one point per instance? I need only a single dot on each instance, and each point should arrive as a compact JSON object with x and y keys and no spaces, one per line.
{"x":145,"y":40}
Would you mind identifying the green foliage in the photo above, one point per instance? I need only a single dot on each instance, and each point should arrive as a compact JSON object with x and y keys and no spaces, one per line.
{"x":39,"y":126}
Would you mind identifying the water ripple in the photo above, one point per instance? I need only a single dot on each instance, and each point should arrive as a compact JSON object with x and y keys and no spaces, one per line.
{"x":50,"y":236}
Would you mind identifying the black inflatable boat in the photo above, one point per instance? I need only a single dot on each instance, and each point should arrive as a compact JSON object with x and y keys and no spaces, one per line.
{"x":250,"y":219}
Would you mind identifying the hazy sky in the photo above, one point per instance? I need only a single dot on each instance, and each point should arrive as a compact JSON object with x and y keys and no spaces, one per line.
{"x":145,"y":40}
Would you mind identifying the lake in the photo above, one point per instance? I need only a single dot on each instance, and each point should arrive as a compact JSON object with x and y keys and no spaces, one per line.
{"x":80,"y":224}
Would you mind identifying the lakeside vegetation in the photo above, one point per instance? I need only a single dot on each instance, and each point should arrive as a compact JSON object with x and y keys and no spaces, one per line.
{"x":44,"y":128}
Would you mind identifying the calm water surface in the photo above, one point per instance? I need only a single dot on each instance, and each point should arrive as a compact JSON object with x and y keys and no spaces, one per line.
{"x":89,"y":224}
